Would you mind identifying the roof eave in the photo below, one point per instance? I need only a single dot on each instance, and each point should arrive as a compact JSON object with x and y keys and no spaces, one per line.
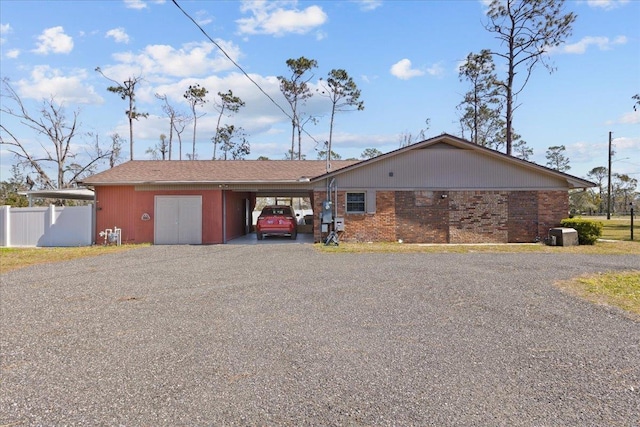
{"x":217,"y":182}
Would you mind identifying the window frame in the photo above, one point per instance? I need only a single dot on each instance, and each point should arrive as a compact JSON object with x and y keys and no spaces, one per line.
{"x":363,"y":202}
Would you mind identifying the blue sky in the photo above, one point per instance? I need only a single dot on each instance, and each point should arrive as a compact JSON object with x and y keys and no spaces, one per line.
{"x":403,"y":55}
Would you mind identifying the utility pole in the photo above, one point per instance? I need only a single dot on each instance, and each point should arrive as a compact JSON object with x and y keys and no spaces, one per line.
{"x":609,"y":183}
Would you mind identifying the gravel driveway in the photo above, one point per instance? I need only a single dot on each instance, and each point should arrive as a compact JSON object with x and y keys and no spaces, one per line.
{"x":284,"y":335}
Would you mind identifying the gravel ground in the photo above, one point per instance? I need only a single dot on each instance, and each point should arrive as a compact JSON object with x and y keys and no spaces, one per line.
{"x":283,"y":335}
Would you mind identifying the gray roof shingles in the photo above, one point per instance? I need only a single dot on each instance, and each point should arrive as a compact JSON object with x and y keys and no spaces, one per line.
{"x":213,"y":171}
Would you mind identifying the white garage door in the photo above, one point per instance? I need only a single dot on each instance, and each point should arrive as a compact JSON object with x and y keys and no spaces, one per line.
{"x":178,"y":220}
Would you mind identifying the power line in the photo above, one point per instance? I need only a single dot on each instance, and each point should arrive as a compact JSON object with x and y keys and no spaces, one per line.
{"x":231,"y":59}
{"x":239,"y":67}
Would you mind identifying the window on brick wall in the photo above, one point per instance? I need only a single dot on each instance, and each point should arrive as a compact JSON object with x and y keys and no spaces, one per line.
{"x":356,"y":202}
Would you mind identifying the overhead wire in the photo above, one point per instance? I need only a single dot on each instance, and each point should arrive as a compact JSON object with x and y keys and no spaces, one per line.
{"x":239,"y":67}
{"x":231,"y":59}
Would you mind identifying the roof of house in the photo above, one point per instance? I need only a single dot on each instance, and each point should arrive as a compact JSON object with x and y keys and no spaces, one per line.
{"x":213,"y":171}
{"x":454,"y":141}
{"x":175,"y":172}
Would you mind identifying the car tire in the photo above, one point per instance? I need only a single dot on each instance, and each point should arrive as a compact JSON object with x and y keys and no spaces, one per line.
{"x":294,"y":235}
{"x":259,"y":236}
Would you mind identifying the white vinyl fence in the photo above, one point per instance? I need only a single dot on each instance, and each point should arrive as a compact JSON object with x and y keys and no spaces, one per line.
{"x":52,"y":226}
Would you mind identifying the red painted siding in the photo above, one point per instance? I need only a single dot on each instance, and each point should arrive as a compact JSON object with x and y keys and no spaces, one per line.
{"x":124,"y":207}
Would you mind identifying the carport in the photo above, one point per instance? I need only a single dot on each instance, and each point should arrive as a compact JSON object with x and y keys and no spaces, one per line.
{"x":196,"y":202}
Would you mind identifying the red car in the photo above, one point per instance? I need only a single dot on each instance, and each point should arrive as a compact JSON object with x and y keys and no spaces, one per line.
{"x":277,"y":219}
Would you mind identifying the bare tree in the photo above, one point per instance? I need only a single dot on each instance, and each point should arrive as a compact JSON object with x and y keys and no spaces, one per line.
{"x":195,"y":97}
{"x":526,"y":30}
{"x":296,"y":91}
{"x":60,"y":132}
{"x":344,"y":96}
{"x":174,"y":119}
{"x":116,"y":148}
{"x":179,"y":125}
{"x":407,"y":138}
{"x":127,"y":91}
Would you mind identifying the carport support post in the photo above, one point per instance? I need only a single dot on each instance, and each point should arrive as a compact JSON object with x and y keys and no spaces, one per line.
{"x":224,"y":216}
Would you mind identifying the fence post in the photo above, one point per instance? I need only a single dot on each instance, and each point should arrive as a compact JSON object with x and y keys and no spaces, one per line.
{"x":631,"y":204}
{"x":5,"y":237}
{"x":52,"y":215}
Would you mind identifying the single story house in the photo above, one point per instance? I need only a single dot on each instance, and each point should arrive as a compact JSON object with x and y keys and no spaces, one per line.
{"x":441,"y":190}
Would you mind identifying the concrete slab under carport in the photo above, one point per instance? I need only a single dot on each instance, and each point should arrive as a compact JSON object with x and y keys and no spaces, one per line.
{"x":251,"y":239}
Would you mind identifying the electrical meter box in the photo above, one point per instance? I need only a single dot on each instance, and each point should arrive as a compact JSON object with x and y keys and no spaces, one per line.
{"x":326,"y":216}
{"x":339,"y":224}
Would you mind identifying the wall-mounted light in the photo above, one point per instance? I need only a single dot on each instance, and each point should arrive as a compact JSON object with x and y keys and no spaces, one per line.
{"x":444,"y":196}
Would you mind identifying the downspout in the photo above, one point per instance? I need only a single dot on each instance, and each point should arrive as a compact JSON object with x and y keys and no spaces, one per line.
{"x":94,"y":216}
{"x":335,"y":204}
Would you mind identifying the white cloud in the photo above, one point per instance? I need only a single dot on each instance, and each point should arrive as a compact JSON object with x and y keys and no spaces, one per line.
{"x":626,"y":143}
{"x":630,"y":118}
{"x":368,"y":5}
{"x":135,"y":4}
{"x":13,"y":53}
{"x":54,"y":40}
{"x":602,"y":43}
{"x":272,"y":18}
{"x":160,"y":61}
{"x":607,"y":4}
{"x":203,"y":17}
{"x":258,"y":116}
{"x":139,"y":4}
{"x":119,"y":35}
{"x":46,"y":82}
{"x":402,"y":70}
{"x":436,"y":70}
{"x":4,"y":29}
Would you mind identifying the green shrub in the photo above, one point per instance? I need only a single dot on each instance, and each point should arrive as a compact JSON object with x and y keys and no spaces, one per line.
{"x":588,"y":231}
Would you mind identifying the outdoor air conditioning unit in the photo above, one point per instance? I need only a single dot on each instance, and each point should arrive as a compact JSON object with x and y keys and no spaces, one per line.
{"x":563,"y":236}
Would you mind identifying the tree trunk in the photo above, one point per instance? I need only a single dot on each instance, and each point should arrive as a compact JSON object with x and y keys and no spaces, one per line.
{"x":130,"y":127}
{"x":333,"y":113}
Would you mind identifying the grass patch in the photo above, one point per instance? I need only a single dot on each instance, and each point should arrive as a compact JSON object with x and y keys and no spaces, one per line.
{"x":599,"y":248}
{"x":619,"y":289}
{"x":15,"y":258}
{"x":618,"y":228}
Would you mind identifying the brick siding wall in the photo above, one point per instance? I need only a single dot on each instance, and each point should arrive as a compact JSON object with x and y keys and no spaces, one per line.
{"x":478,"y":216}
{"x":523,"y":216}
{"x":451,"y":216}
{"x":553,"y":206}
{"x":422,"y":216}
{"x":378,"y":227}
